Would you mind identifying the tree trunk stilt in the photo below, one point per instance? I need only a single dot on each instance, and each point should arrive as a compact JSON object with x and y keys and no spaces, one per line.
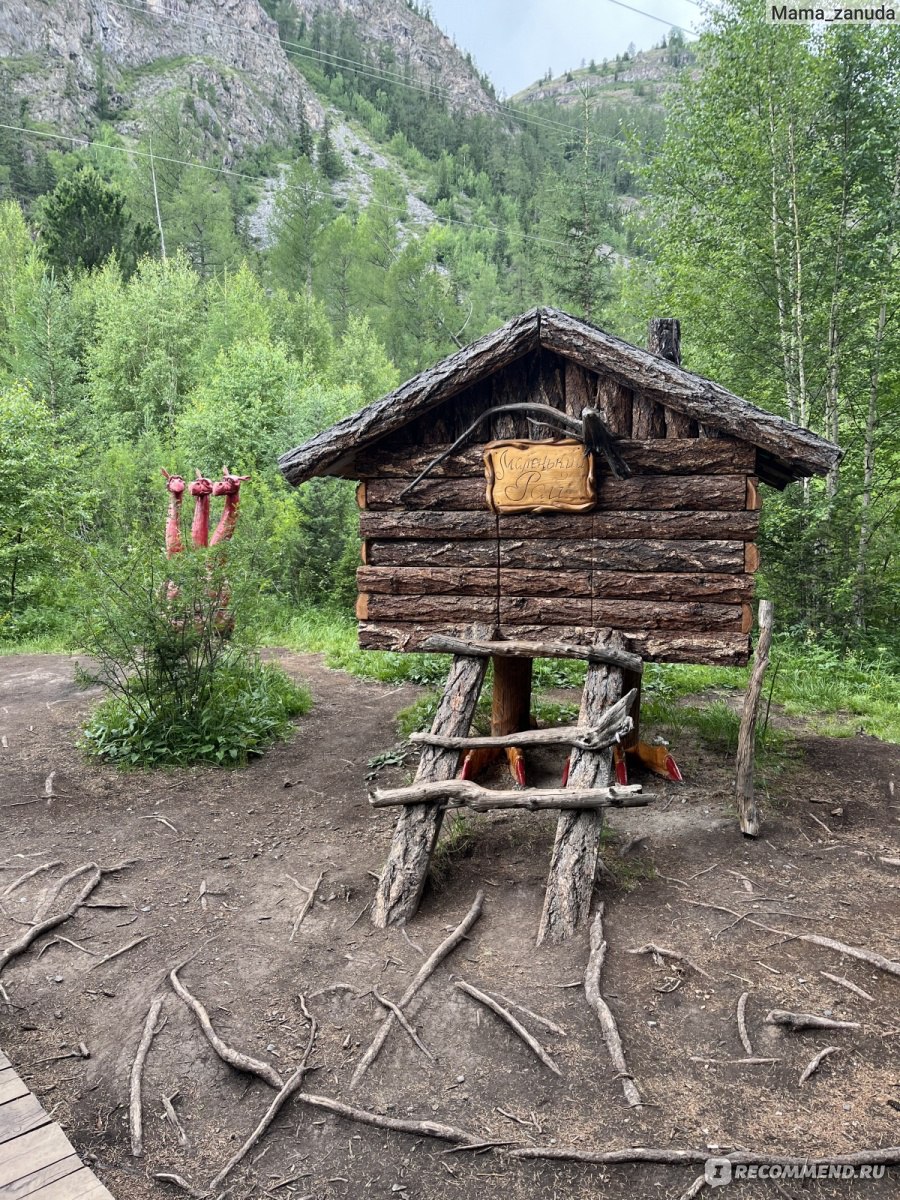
{"x":748,"y":813}
{"x":573,"y":864}
{"x":415,"y":834}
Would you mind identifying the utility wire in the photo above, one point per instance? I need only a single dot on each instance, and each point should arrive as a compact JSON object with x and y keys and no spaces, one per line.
{"x":367,"y":70}
{"x":662,"y":20}
{"x":84,"y":143}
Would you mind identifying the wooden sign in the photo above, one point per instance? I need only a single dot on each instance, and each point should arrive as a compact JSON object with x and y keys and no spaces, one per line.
{"x":555,"y":476}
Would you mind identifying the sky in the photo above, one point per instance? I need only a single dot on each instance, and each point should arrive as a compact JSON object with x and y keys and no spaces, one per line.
{"x":515,"y":41}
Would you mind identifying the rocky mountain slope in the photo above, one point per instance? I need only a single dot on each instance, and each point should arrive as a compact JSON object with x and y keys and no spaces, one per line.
{"x":641,"y":77}
{"x":65,"y":63}
{"x":414,"y":41}
{"x":71,"y":60}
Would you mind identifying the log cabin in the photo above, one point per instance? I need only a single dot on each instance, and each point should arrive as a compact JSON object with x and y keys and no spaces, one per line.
{"x":666,"y":554}
{"x":485,"y":533}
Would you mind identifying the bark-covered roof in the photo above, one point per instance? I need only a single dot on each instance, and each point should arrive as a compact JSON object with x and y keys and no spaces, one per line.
{"x":788,"y":451}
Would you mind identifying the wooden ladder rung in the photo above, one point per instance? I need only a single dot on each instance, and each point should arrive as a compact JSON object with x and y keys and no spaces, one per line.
{"x":456,"y":793}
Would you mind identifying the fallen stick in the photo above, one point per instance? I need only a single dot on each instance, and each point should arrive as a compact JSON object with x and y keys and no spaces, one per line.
{"x":21,"y":944}
{"x":516,"y":1026}
{"x":291,"y":1085}
{"x":404,"y":1024}
{"x":797,"y":1021}
{"x":545,"y":1021}
{"x":310,"y":900}
{"x":447,"y":1133}
{"x":751,"y":1061}
{"x":17,"y":883}
{"x":662,"y":952}
{"x":846,"y":983}
{"x":814,"y":1064}
{"x":463,"y":793}
{"x":234,"y":1058}
{"x":888,"y":1157}
{"x":631,"y":1154}
{"x":115,"y":954}
{"x":135,"y":1109}
{"x":426,"y":970}
{"x":742,"y":1023}
{"x":603,"y":1012}
{"x":173,"y":1118}
{"x":49,"y":793}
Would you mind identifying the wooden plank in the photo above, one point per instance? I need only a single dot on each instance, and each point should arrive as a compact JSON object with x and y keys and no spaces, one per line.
{"x":21,"y":1116}
{"x":632,"y":556}
{"x":431,"y":525}
{"x":4,"y":1061}
{"x":479,"y":526}
{"x":432,"y":609}
{"x":401,"y":553}
{"x":645,"y":492}
{"x":41,"y":1150}
{"x":615,"y":401}
{"x":660,"y":585}
{"x":623,"y":615}
{"x":751,"y":558}
{"x":11,"y":1086}
{"x":425,"y":580}
{"x":27,"y":1186}
{"x":648,"y":418}
{"x":656,"y":456}
{"x":80,"y":1185}
{"x":725,"y":648}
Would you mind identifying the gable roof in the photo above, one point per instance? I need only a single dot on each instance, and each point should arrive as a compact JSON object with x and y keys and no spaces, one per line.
{"x":788,"y":451}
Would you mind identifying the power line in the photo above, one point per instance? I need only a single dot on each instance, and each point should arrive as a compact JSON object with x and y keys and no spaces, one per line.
{"x":84,"y":143}
{"x":662,"y":20}
{"x":367,"y":70}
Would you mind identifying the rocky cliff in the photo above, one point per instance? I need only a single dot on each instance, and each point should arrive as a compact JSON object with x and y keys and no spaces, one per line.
{"x":65,"y":63}
{"x":70,"y":60}
{"x":414,"y":41}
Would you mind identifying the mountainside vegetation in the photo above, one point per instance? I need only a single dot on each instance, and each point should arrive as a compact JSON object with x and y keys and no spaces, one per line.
{"x":240,"y":295}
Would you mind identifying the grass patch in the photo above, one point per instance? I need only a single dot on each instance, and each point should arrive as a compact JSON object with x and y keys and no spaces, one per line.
{"x":248,"y":706}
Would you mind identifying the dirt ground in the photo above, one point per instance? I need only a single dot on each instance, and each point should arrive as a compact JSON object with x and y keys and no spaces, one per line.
{"x":303,"y":810}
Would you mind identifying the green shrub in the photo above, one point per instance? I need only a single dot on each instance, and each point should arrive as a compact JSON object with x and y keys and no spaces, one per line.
{"x":183,"y":686}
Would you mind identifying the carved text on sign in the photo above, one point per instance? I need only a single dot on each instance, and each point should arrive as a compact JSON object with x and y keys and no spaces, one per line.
{"x":552,"y":476}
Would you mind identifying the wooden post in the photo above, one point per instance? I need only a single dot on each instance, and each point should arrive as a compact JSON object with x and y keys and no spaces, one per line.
{"x":748,"y":813}
{"x":511,"y":701}
{"x":573,"y":864}
{"x":415,"y":834}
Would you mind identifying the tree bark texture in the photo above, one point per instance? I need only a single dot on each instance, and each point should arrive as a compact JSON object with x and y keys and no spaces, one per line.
{"x":655,"y":456}
{"x":722,"y":493}
{"x":722,"y":649}
{"x":403,"y":875}
{"x":717,"y":587}
{"x":471,"y":526}
{"x":573,"y":864}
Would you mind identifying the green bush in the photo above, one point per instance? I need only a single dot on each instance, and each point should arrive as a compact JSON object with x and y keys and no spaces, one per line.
{"x":183,"y":686}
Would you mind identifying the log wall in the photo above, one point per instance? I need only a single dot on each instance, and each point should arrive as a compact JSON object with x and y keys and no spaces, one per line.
{"x":667,"y":557}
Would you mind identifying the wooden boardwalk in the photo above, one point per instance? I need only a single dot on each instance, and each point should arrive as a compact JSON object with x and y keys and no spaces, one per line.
{"x":37,"y":1160}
